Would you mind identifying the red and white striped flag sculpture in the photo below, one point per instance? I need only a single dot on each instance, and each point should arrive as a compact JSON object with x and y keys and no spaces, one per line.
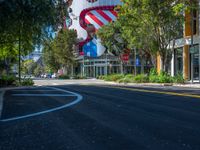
{"x":100,"y":18}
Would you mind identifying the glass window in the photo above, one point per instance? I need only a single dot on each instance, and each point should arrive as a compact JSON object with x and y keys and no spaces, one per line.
{"x":195,"y":68}
{"x":178,"y":61}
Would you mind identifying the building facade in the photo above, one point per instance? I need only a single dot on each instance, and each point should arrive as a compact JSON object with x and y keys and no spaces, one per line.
{"x":186,"y":56}
{"x":86,"y":17}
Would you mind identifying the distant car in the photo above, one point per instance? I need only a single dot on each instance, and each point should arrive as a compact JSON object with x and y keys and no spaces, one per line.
{"x":45,"y":75}
{"x":42,"y":76}
{"x":27,"y":76}
{"x":53,"y":75}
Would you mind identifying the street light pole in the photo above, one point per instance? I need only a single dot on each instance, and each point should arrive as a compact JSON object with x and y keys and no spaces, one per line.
{"x":106,"y":64}
{"x":83,"y":65}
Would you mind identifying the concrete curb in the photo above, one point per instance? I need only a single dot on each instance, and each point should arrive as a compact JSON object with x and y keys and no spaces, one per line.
{"x":2,"y":92}
{"x":186,"y":85}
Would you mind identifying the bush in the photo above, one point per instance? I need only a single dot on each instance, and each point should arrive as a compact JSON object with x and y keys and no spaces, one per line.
{"x":165,"y":78}
{"x":141,"y":78}
{"x":154,"y":78}
{"x":129,"y":78}
{"x":81,"y":77}
{"x":126,"y":80}
{"x":63,"y":77}
{"x":102,"y":77}
{"x":178,"y":78}
{"x":153,"y":72}
{"x":113,"y":77}
{"x":7,"y":80}
{"x":27,"y":82}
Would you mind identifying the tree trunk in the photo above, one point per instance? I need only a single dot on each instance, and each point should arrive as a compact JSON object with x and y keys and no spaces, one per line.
{"x":163,"y":65}
{"x":6,"y":61}
{"x":72,"y":70}
{"x":153,"y":60}
{"x":142,"y":65}
{"x":121,"y":67}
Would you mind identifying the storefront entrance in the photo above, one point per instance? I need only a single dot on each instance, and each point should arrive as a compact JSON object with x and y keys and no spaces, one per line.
{"x":194,"y":63}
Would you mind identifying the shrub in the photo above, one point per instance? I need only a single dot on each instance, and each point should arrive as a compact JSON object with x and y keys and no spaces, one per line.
{"x":129,"y":78}
{"x":126,"y":80}
{"x":154,"y":78}
{"x":7,"y":80}
{"x":165,"y":77}
{"x":63,"y":77}
{"x":27,"y":82}
{"x":141,"y":78}
{"x":102,"y":77}
{"x":99,"y":77}
{"x":113,"y":77}
{"x":153,"y":72}
{"x":81,"y":77}
{"x":179,"y":78}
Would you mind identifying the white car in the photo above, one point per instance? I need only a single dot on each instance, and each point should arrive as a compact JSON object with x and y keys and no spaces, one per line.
{"x":53,"y":75}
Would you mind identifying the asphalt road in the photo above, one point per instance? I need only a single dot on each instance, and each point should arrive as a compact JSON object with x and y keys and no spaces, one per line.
{"x":104,"y":118}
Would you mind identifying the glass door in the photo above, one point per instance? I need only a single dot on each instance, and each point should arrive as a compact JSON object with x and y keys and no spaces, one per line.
{"x":196,"y":66}
{"x":194,"y":62}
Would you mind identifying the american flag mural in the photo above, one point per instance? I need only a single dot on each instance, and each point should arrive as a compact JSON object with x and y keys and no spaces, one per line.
{"x":100,"y":18}
{"x":92,"y":14}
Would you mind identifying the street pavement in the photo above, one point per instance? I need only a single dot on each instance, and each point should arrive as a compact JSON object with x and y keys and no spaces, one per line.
{"x":84,"y":115}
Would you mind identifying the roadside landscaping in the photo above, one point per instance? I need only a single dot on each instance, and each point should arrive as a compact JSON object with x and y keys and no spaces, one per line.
{"x":11,"y":80}
{"x":71,"y":77}
{"x":152,"y":77}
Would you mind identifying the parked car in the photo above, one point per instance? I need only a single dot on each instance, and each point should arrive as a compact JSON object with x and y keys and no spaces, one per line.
{"x":27,"y":76}
{"x":53,"y":75}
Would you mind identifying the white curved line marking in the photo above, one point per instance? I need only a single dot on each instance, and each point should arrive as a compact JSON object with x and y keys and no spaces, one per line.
{"x":79,"y":98}
{"x":43,"y":95}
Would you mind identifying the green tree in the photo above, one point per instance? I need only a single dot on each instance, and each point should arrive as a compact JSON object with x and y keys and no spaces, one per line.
{"x":38,"y":70}
{"x":63,"y":47}
{"x":111,"y":37}
{"x":28,"y":67}
{"x":151,"y":25}
{"x":8,"y":55}
{"x":24,"y":22}
{"x":48,"y":56}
